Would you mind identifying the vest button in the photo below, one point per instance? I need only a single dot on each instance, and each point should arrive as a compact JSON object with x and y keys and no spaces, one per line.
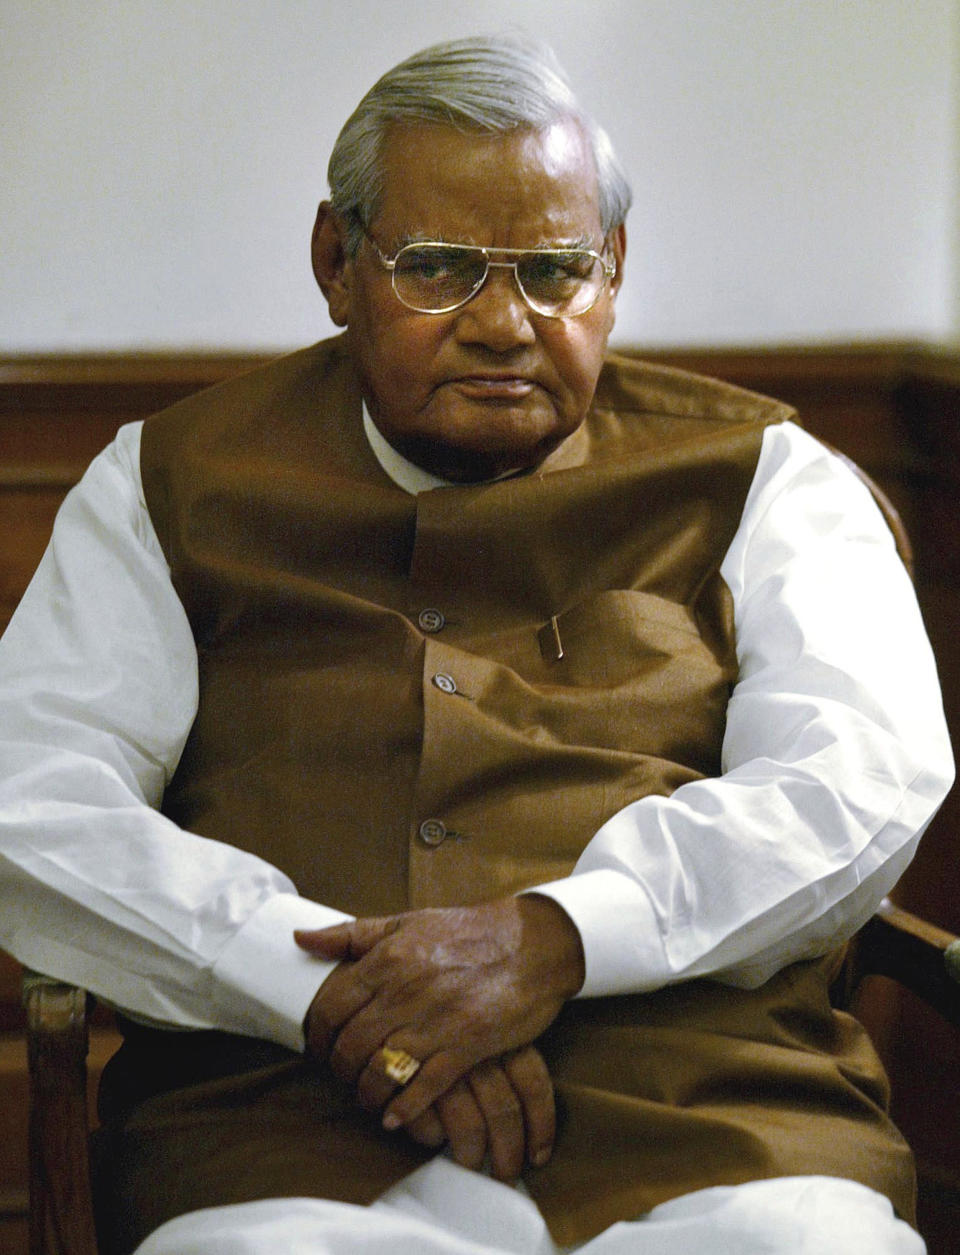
{"x":433,"y":832}
{"x":445,"y":683}
{"x":431,"y":620}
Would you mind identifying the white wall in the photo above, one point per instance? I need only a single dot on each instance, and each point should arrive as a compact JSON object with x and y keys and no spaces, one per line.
{"x":794,"y":161}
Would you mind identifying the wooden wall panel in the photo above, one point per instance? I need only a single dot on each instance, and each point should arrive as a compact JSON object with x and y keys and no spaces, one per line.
{"x":26,"y":517}
{"x":55,"y":415}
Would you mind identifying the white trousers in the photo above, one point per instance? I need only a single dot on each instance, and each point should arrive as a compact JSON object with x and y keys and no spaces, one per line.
{"x":442,"y":1209}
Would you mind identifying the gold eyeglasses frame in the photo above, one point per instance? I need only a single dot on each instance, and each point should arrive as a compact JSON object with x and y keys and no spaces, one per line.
{"x":608,"y":264}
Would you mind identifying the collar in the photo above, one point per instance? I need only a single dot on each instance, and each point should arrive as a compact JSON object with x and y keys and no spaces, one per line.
{"x":404,"y":473}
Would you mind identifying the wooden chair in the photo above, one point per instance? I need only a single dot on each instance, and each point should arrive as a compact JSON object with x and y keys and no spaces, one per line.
{"x":61,"y":1205}
{"x":894,"y":944}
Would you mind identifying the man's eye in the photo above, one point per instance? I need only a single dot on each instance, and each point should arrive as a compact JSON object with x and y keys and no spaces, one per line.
{"x":431,"y":264}
{"x":557,"y":269}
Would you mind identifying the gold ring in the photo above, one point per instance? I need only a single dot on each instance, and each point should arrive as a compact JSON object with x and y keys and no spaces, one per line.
{"x":398,"y":1065}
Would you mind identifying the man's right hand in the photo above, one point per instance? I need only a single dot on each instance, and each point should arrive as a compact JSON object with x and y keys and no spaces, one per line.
{"x":503,"y":1108}
{"x":452,"y":987}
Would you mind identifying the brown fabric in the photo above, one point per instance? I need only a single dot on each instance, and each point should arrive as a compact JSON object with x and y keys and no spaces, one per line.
{"x":324,"y":743}
{"x":704,"y":1085}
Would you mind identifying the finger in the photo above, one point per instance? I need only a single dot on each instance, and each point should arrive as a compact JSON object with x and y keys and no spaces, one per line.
{"x":427,"y":1129}
{"x":464,"y":1126}
{"x":325,"y":943}
{"x":375,"y":1086}
{"x":341,"y":996}
{"x":530,"y":1078}
{"x":351,"y":940}
{"x":502,"y":1117}
{"x":438,"y":1074}
{"x":355,"y":1057}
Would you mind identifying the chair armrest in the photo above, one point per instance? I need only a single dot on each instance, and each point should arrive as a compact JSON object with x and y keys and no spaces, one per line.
{"x":61,"y":1208}
{"x":918,"y":955}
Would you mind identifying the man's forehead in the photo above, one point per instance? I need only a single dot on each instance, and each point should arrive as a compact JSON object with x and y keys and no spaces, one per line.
{"x":439,"y":182}
{"x":554,"y":145}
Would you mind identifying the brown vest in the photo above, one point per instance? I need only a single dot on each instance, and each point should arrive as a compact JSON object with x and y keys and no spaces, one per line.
{"x":418,"y":701}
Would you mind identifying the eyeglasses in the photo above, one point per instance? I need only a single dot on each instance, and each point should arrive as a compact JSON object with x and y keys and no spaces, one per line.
{"x":435,"y":278}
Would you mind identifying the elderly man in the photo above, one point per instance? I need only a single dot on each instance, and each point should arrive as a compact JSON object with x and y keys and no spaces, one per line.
{"x":452,"y":737}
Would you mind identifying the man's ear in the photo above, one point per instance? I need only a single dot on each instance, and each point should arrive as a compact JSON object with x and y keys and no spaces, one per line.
{"x":618,"y":242}
{"x":331,"y":267}
{"x":618,"y":246}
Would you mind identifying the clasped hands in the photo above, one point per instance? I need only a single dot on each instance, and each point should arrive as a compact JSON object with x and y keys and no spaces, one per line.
{"x":465,"y":990}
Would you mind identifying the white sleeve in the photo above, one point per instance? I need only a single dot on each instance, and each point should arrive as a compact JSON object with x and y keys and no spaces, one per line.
{"x":835,"y":758}
{"x":98,"y":690}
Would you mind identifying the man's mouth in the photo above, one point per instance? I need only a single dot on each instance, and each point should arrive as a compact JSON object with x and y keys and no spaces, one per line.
{"x":494,"y":387}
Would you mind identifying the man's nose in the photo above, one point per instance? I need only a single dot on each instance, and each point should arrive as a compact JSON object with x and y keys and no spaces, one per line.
{"x":497,"y":316}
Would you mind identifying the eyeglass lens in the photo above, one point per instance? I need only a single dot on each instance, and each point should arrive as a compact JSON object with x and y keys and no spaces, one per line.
{"x":437,"y":277}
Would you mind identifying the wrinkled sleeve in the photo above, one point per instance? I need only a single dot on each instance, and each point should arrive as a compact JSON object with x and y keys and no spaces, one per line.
{"x":835,"y":758}
{"x":98,"y":690}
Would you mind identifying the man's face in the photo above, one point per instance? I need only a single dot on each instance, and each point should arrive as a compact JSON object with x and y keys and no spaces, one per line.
{"x":490,"y":387}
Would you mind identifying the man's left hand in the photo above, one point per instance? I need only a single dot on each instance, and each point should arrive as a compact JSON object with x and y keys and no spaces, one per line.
{"x":501,"y":1112}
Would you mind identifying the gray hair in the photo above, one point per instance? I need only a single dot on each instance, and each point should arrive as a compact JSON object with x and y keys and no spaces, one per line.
{"x":491,"y":85}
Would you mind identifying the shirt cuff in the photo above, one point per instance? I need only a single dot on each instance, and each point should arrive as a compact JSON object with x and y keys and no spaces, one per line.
{"x":622,"y":946}
{"x":263,"y":982}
